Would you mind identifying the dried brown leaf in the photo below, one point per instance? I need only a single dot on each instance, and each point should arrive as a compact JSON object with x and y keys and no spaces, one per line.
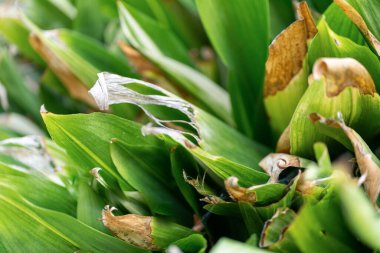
{"x":287,"y":52}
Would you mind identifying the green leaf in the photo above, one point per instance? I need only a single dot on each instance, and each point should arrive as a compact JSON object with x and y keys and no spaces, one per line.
{"x":359,"y":214}
{"x":147,"y":169}
{"x":90,"y":19}
{"x":369,"y":10}
{"x":50,"y":14}
{"x":57,"y":232}
{"x":244,"y":53}
{"x":37,"y":188}
{"x":90,"y":205}
{"x":281,"y":14}
{"x":319,"y":227}
{"x":16,"y":87}
{"x":150,"y":36}
{"x":338,"y":21}
{"x":181,"y":162}
{"x":192,"y":244}
{"x":75,"y":133}
{"x":225,"y":245}
{"x":16,"y":33}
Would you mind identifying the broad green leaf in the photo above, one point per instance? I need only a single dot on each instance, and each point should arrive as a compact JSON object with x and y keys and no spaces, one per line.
{"x":147,"y":169}
{"x":50,"y":14}
{"x":225,"y":245}
{"x":321,"y":5}
{"x":37,"y":189}
{"x":75,"y":133}
{"x":192,"y":244}
{"x":16,"y":33}
{"x":329,"y":44}
{"x":281,"y":15}
{"x":150,"y":36}
{"x":89,"y":205}
{"x":16,"y":87}
{"x":57,"y":232}
{"x":89,"y":20}
{"x":244,"y":53}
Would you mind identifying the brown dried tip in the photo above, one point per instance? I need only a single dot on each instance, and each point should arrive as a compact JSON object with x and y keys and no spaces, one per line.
{"x":238,"y":193}
{"x":274,"y":164}
{"x":358,"y":20}
{"x":304,"y":13}
{"x":340,"y":73}
{"x":369,"y":169}
{"x":287,"y":52}
{"x":138,"y":61}
{"x":132,"y":228}
{"x":74,"y":86}
{"x":283,"y":143}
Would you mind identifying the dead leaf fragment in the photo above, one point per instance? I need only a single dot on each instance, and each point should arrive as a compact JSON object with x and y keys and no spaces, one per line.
{"x":132,"y":228}
{"x":368,"y":163}
{"x":238,"y":193}
{"x":358,"y":20}
{"x":340,"y":73}
{"x":283,"y":143}
{"x":304,"y":13}
{"x":273,"y":164}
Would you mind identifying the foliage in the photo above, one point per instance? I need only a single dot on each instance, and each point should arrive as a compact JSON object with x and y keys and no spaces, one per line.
{"x":189,"y":126}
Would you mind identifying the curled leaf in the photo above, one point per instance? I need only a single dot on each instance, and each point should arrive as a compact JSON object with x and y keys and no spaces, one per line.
{"x":340,"y":74}
{"x":368,"y":163}
{"x":274,"y":164}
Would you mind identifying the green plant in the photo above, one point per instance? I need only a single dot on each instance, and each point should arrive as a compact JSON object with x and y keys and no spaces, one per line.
{"x":225,"y":126}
